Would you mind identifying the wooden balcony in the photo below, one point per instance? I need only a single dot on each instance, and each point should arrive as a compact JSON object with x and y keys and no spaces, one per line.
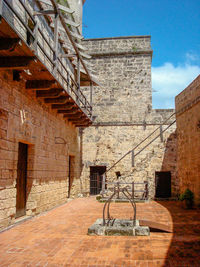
{"x":35,"y":52}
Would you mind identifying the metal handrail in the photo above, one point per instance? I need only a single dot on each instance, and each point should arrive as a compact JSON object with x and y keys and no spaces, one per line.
{"x":142,"y":142}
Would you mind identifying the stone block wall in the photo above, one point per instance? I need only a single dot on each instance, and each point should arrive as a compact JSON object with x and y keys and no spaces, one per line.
{"x":50,"y":139}
{"x":122,"y":108}
{"x":188,"y":131}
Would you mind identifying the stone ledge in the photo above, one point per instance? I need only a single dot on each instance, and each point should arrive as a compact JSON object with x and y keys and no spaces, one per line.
{"x":121,"y":53}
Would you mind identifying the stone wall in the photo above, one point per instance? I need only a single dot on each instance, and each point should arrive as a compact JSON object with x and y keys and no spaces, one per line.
{"x":50,"y":139}
{"x":188,"y":131}
{"x":122,"y":108}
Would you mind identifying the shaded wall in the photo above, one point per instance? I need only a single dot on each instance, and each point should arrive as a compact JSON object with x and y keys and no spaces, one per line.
{"x":188,"y":131}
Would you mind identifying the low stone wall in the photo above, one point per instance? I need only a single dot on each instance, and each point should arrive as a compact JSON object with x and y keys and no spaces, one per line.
{"x":50,"y":139}
{"x":188,"y":131}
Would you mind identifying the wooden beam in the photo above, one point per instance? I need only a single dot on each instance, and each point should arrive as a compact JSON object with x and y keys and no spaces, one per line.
{"x":37,"y":84}
{"x":54,"y":92}
{"x":59,"y":100}
{"x":73,"y":116}
{"x":15,"y":62}
{"x":62,"y":106}
{"x":69,"y":110}
{"x":8,"y":43}
{"x":84,"y":83}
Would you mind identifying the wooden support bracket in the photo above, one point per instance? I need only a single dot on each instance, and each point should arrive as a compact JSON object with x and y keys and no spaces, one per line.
{"x":58,"y":100}
{"x":8,"y":43}
{"x":62,"y":106}
{"x":54,"y":92}
{"x":15,"y":62}
{"x":37,"y":84}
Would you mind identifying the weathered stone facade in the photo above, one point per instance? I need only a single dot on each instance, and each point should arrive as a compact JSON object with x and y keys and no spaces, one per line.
{"x":51,"y":140}
{"x":122,"y":107}
{"x":188,"y":132}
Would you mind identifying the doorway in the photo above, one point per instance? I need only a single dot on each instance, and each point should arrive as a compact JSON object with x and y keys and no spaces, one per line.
{"x":70,"y":173}
{"x":96,"y":176}
{"x":163,"y":184}
{"x":21,"y":180}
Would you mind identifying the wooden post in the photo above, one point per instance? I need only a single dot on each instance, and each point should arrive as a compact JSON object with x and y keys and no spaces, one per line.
{"x":133,"y":158}
{"x":35,"y":38}
{"x":78,"y":78}
{"x":55,"y":42}
{"x":161,"y":133}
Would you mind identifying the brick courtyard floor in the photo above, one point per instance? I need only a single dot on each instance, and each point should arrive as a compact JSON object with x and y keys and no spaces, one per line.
{"x":59,"y":238}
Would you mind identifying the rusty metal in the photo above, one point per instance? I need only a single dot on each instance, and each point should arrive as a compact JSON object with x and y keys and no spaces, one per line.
{"x":117,"y":190}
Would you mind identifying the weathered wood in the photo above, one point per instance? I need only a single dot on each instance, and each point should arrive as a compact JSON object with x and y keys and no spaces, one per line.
{"x":15,"y":62}
{"x":61,"y":7}
{"x":37,"y":84}
{"x":8,"y":43}
{"x":56,"y":42}
{"x":58,"y":100}
{"x":62,"y":106}
{"x":44,"y":12}
{"x":156,"y":225}
{"x":54,"y":92}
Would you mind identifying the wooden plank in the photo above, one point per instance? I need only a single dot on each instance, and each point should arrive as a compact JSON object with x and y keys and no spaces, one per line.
{"x":44,"y":12}
{"x":156,"y":225}
{"x":54,"y":92}
{"x":81,"y":47}
{"x":8,"y":43}
{"x":15,"y":62}
{"x":76,"y":35}
{"x":61,"y":7}
{"x":37,"y":84}
{"x":72,"y":23}
{"x":85,"y":55}
{"x":58,"y":100}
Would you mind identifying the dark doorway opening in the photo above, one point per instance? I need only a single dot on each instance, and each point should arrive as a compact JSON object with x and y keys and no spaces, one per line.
{"x":21,"y":180}
{"x":163,"y":184}
{"x":70,"y":173}
{"x":96,"y":176}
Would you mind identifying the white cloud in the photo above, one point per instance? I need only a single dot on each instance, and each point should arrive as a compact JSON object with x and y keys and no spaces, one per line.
{"x":169,"y":80}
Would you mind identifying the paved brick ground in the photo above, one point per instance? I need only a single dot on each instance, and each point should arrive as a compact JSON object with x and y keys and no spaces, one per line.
{"x":59,"y":238}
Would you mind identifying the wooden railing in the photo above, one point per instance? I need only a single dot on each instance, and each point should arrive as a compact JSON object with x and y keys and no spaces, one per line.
{"x":45,"y":44}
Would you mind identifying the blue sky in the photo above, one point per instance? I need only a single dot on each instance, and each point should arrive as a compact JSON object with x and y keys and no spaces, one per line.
{"x":174,"y":26}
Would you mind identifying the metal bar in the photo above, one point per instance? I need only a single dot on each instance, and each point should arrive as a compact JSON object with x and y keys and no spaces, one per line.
{"x":132,"y":158}
{"x":132,"y":190}
{"x":91,"y":91}
{"x":55,"y":43}
{"x":161,"y":133}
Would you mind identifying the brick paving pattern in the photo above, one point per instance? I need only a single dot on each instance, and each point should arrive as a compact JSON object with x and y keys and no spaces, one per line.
{"x":59,"y":238}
